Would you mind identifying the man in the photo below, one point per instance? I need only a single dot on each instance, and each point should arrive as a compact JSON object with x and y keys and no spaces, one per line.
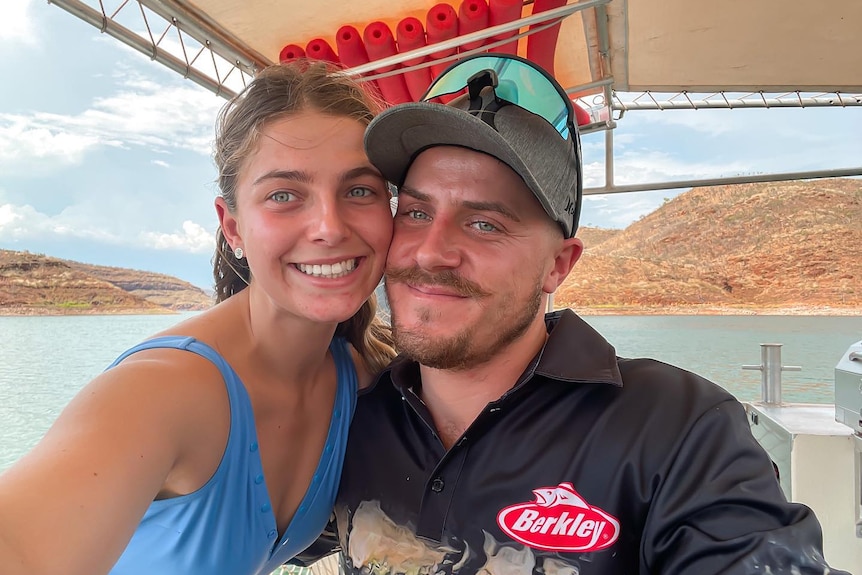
{"x":507,"y":441}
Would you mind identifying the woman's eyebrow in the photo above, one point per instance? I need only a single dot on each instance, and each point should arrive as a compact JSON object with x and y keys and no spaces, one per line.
{"x":295,"y":175}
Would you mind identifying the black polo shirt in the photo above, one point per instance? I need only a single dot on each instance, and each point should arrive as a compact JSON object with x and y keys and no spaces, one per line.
{"x":589,"y":465}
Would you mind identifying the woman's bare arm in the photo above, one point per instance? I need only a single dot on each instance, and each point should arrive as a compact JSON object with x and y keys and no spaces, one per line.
{"x":72,"y":504}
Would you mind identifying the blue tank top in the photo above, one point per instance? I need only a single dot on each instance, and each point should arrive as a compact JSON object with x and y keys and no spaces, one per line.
{"x":228,"y":525}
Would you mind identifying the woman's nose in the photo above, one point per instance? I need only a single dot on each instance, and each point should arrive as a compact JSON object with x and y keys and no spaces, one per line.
{"x":327,"y":223}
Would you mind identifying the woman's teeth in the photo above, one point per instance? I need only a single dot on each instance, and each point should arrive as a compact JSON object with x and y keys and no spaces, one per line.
{"x":336,"y":270}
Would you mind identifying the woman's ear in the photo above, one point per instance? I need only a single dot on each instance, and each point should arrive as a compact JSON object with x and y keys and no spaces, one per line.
{"x":228,"y":223}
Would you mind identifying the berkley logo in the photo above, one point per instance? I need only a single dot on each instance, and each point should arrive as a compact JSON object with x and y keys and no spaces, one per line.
{"x":559,"y":520}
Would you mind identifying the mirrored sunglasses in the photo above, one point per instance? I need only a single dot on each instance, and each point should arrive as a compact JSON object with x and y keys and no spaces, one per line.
{"x":519,"y":81}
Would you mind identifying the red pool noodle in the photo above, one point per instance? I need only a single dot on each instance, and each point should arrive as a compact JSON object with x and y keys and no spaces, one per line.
{"x":352,"y":50}
{"x":441,"y":24}
{"x":411,"y":36}
{"x":582,"y":117}
{"x":350,"y":47}
{"x":472,"y":17}
{"x":500,"y":12}
{"x":320,"y":49}
{"x":380,"y":43}
{"x":541,"y":46}
{"x":290,"y":52}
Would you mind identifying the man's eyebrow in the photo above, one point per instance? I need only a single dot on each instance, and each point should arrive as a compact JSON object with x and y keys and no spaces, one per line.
{"x":478,"y":206}
{"x":493,"y":207}
{"x":414,"y":193}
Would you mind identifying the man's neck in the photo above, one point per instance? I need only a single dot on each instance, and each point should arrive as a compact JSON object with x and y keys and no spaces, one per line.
{"x":456,"y":398}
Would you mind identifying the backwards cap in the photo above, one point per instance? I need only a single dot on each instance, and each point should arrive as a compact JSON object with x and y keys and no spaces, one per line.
{"x":546,"y":158}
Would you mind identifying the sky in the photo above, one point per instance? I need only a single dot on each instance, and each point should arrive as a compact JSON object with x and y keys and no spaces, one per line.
{"x":105,"y":155}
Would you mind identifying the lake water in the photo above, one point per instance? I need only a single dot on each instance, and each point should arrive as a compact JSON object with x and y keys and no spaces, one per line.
{"x":44,"y":361}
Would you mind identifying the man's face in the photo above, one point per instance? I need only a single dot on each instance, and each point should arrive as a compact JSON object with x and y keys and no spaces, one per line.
{"x":472,"y":253}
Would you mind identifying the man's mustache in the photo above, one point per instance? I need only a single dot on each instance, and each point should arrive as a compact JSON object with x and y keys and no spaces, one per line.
{"x":446,"y":278}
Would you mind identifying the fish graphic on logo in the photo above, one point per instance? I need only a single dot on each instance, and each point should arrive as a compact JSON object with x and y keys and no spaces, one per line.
{"x":559,"y":520}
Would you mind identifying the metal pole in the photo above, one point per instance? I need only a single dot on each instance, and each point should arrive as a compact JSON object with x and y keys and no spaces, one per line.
{"x":770,"y":385}
{"x":784,"y":176}
{"x":771,"y":368}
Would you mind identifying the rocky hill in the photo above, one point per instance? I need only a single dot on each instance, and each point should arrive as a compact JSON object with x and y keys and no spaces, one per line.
{"x":33,"y":284}
{"x":784,"y":247}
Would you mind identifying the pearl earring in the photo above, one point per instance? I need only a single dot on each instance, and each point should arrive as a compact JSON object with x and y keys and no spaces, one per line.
{"x":238,"y":253}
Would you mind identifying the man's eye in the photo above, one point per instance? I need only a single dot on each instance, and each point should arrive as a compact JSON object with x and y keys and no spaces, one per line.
{"x":484,"y":226}
{"x":416,"y":215}
{"x":283,"y":196}
{"x":360,"y":192}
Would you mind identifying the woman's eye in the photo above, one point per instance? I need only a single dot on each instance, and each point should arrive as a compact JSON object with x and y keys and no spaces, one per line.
{"x":282,"y":196}
{"x":484,"y":226}
{"x":360,"y":192}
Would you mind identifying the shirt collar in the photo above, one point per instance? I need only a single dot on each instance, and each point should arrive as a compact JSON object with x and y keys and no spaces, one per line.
{"x":574,"y":352}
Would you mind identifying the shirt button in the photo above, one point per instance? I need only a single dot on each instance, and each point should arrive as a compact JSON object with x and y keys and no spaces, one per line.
{"x":437,"y":485}
{"x":265,"y":507}
{"x":258,"y":480}
{"x":272,"y":534}
{"x":253,"y":447}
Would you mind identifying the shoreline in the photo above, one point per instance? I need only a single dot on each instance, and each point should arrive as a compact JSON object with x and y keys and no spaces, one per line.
{"x":43,"y":312}
{"x":819,"y":310}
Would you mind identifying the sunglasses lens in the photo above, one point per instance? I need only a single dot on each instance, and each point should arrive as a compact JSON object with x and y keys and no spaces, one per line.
{"x":519,"y":83}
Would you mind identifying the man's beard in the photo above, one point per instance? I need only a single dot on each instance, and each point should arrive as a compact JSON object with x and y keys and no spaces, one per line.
{"x":462,"y":350}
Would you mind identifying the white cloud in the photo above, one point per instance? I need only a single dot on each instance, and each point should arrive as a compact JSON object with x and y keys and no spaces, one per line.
{"x":619,"y":210}
{"x":9,"y":217}
{"x":143,"y":114}
{"x":643,"y":166}
{"x":17,"y":23}
{"x":25,"y":141}
{"x":23,"y":222}
{"x":193,"y":238}
{"x":161,"y":163}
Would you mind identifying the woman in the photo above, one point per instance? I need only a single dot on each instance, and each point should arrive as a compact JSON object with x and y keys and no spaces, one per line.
{"x":216,"y":447}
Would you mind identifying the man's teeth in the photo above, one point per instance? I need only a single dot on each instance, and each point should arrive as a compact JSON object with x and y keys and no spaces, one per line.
{"x":328,"y":270}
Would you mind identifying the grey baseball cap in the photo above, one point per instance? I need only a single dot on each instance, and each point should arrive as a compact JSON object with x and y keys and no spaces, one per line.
{"x":527,"y":143}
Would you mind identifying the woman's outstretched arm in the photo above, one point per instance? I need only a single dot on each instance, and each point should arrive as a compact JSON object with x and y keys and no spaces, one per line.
{"x":72,"y":504}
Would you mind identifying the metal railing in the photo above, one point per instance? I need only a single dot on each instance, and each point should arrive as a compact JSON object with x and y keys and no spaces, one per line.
{"x":770,"y":368}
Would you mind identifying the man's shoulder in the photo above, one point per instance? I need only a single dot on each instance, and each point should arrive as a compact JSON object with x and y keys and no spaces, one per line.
{"x":666,"y":397}
{"x":651,"y":376}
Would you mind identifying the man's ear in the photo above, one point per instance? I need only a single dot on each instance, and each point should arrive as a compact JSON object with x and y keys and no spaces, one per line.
{"x":568,"y":253}
{"x":227,"y":222}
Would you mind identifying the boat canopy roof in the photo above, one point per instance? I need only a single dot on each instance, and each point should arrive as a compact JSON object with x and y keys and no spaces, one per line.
{"x":652,"y":45}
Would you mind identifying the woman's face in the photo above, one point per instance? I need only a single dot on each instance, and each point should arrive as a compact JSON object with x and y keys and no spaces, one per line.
{"x":312,"y":216}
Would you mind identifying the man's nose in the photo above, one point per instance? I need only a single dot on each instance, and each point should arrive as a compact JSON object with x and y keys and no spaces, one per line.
{"x":435,"y":249}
